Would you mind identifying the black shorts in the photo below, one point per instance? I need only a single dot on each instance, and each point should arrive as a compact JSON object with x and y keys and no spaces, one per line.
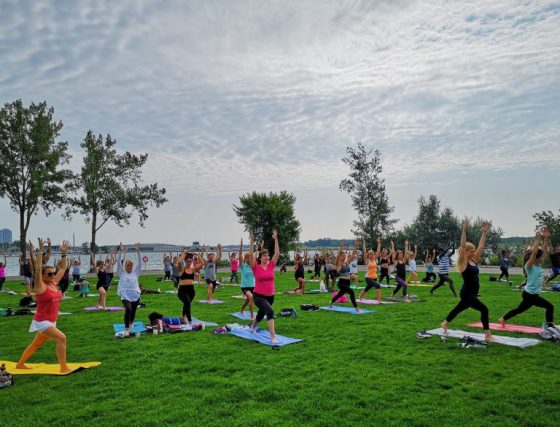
{"x":99,"y":286}
{"x":244,"y":290}
{"x":212,"y":282}
{"x":76,"y":277}
{"x":299,"y":276}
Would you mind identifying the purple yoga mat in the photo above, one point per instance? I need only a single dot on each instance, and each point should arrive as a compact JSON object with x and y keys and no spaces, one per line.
{"x":372,"y":301}
{"x":107,"y":309}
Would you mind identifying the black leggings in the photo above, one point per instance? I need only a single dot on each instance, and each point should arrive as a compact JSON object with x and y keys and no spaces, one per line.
{"x":2,"y":280}
{"x":505,"y":273}
{"x":264,"y":303}
{"x":384,"y":273}
{"x":186,"y":295}
{"x":344,"y":286}
{"x":234,"y":277}
{"x":317,"y":272}
{"x":443,"y":278}
{"x":430,"y":277}
{"x":167,"y":275}
{"x":129,"y":312}
{"x":371,"y":283}
{"x":528,"y":300}
{"x":63,"y":285}
{"x":400,"y":284}
{"x":470,"y":301}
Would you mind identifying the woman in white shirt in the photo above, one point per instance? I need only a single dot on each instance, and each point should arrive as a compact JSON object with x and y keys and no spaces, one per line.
{"x":129,"y":289}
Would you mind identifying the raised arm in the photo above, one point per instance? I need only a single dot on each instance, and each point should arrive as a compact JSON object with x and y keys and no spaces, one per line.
{"x":482,"y":242}
{"x":354,"y":253}
{"x":37,"y":267}
{"x":392,"y":250}
{"x":63,"y":261}
{"x":138,"y":267}
{"x":462,"y":258}
{"x":252,"y":258}
{"x":426,"y":256}
{"x":219,"y":254}
{"x":378,"y":251}
{"x":276,"y":255}
{"x":533,"y":258}
{"x":241,"y":251}
{"x":406,"y":249}
{"x":364,"y":250}
{"x":119,"y":259}
{"x":201,"y":262}
{"x":49,"y":251}
{"x":415,"y":250}
{"x":546,"y":244}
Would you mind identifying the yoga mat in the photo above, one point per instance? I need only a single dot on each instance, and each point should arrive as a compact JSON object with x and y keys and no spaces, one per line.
{"x":92,"y":295}
{"x":137,"y":328}
{"x":262,"y":337}
{"x":169,"y":292}
{"x":372,"y":301}
{"x":238,"y":296}
{"x":513,"y":342}
{"x":214,"y":301}
{"x":349,"y":310}
{"x":509,"y":328}
{"x":195,"y":321}
{"x":107,"y":309}
{"x":46,"y":368}
{"x":400,"y":299}
{"x":422,"y":285}
{"x":245,"y":316}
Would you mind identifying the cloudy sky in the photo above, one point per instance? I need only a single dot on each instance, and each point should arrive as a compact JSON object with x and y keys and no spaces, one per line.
{"x":461,"y":98}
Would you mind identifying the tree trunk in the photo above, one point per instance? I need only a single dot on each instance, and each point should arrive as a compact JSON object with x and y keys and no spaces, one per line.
{"x":92,"y":245}
{"x":22,"y":239}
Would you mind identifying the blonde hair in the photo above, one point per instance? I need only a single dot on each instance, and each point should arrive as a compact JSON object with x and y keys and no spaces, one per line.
{"x":246,"y":257}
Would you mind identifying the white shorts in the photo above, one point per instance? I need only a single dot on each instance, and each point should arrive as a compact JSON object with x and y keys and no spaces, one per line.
{"x":40,"y":326}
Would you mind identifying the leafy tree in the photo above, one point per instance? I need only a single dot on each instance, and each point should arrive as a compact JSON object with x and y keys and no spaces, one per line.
{"x":261,"y":213}
{"x":111,"y":186}
{"x":474,"y":232}
{"x":552,"y":222}
{"x":31,"y":160}
{"x":367,"y":190}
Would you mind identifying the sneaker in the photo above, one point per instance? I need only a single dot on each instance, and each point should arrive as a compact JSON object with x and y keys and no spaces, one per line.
{"x":423,"y":334}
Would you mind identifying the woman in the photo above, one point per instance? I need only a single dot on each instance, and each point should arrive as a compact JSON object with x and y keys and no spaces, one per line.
{"x":467,"y":266}
{"x":167,"y":267}
{"x":247,"y":277}
{"x":48,"y":297}
{"x":129,"y":289}
{"x":102,"y":284}
{"x":299,"y":268}
{"x":444,"y":261}
{"x":263,"y":270}
{"x":385,"y":261}
{"x":110,"y":261}
{"x":27,"y":271}
{"x":234,"y":267}
{"x":317,"y":263}
{"x":343,"y":268}
{"x":429,"y":263}
{"x":400,"y":276}
{"x":535,"y":280}
{"x":186,"y":291}
{"x":504,"y":266}
{"x":3,"y":272}
{"x":76,"y":271}
{"x":371,"y":274}
{"x":411,"y":256}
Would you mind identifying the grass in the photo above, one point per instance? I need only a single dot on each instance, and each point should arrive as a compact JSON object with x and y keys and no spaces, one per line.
{"x":350,"y":370}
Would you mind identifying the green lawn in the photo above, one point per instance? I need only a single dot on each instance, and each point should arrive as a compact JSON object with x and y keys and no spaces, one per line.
{"x":350,"y":370}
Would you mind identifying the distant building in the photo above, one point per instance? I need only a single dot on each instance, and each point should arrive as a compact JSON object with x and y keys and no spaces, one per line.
{"x":6,"y":236}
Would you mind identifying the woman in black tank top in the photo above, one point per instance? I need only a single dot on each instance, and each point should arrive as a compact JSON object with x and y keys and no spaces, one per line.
{"x":300,"y":272}
{"x":186,"y":291}
{"x":467,"y":265}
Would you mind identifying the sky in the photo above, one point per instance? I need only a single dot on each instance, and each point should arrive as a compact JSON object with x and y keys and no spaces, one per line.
{"x":227,"y":97}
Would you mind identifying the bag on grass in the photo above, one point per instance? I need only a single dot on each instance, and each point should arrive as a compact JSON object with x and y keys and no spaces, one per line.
{"x":6,"y":379}
{"x":22,"y":312}
{"x":556,"y":288}
{"x":288,"y":312}
{"x":309,"y":307}
{"x":25,"y":301}
{"x":493,"y":278}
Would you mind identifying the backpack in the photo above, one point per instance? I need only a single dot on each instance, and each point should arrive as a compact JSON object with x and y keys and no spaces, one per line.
{"x":288,"y":312}
{"x":25,"y":301}
{"x":309,"y":307}
{"x":22,"y":312}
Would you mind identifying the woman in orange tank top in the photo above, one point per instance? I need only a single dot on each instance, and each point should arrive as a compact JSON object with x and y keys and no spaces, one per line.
{"x":371,"y":274}
{"x":48,"y":298}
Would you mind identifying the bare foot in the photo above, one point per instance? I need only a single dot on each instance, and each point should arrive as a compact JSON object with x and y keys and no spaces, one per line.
{"x":393,"y":298}
{"x":444,"y":326}
{"x":22,"y":366}
{"x":358,"y":309}
{"x":502,"y":322}
{"x":65,"y":369}
{"x":330,"y":305}
{"x":254,"y":328}
{"x":488,"y":337}
{"x":274,"y":339}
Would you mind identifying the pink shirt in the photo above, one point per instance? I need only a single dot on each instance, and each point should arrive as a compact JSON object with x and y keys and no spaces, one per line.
{"x":2,"y":272}
{"x":234,"y":264}
{"x":264,"y":278}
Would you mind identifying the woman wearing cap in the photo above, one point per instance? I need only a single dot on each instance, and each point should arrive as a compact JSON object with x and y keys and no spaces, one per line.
{"x":48,"y":297}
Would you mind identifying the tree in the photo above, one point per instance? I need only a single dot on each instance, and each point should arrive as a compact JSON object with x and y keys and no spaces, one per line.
{"x":111,"y":186}
{"x":31,"y":160}
{"x":474,"y":232}
{"x":261,"y":213}
{"x":367,"y":190}
{"x":552,"y":222}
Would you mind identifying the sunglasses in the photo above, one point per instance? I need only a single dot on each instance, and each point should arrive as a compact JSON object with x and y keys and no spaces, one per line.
{"x":50,"y":274}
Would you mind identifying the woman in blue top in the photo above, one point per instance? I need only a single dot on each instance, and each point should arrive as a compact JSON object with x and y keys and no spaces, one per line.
{"x":535,"y":279}
{"x":467,"y":266}
{"x":247,"y":276}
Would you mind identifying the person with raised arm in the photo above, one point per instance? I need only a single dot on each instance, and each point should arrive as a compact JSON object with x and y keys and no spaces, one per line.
{"x":535,"y":281}
{"x":48,"y":297}
{"x":234,"y":267}
{"x":299,"y":271}
{"x":76,"y":270}
{"x":210,"y":269}
{"x":444,"y":261}
{"x":411,"y":256}
{"x":429,"y":263}
{"x":317,"y":264}
{"x":469,"y":256}
{"x":400,"y":272}
{"x":343,"y":268}
{"x":27,"y":270}
{"x":3,"y":271}
{"x":371,"y":274}
{"x":504,"y":265}
{"x":129,"y":287}
{"x":188,"y":265}
{"x":102,"y":284}
{"x":385,"y":260}
{"x":167,"y":267}
{"x":263,"y":270}
{"x":554,"y":264}
{"x":247,"y":276}
{"x":47,"y":255}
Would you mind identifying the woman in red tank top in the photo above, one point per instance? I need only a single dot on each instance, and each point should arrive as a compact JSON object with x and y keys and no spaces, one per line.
{"x":48,"y":298}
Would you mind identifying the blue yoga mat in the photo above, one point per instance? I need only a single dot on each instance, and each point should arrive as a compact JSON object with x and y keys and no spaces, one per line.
{"x":195,"y":321}
{"x":263,"y":337}
{"x":349,"y":310}
{"x":214,"y":301}
{"x":137,"y":328}
{"x":245,"y":316}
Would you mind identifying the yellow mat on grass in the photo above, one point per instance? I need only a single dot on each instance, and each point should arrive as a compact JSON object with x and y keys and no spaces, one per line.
{"x":46,"y":368}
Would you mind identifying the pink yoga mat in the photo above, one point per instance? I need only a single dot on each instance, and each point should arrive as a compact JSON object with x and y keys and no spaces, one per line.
{"x":509,"y":328}
{"x":372,"y":301}
{"x":107,"y":309}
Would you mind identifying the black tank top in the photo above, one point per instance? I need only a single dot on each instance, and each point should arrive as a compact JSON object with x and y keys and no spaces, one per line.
{"x":401,"y":270}
{"x":471,"y":281}
{"x":300,"y":269}
{"x":187,"y":276}
{"x":384,"y":260}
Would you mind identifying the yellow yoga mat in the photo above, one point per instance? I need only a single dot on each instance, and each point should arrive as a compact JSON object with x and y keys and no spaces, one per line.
{"x":46,"y":368}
